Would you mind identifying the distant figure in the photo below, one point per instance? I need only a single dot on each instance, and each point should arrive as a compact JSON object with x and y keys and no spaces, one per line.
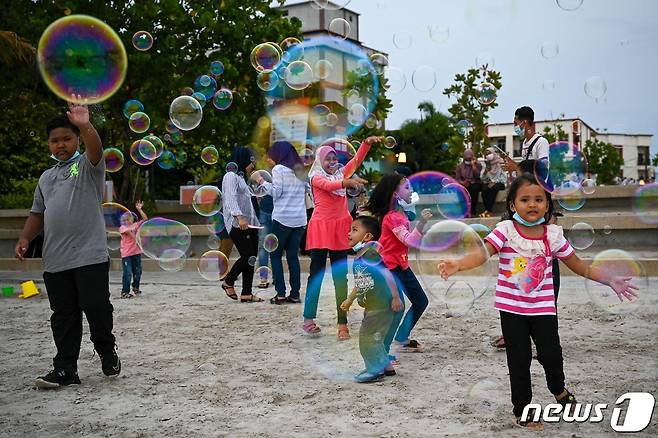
{"x":467,"y":174}
{"x":131,"y":253}
{"x":493,"y":179}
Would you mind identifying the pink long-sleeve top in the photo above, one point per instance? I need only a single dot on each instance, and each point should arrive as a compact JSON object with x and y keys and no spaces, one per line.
{"x":331,"y":220}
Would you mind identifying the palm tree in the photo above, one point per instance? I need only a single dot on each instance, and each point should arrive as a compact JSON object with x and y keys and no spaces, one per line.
{"x":426,"y":107}
{"x":15,"y":50}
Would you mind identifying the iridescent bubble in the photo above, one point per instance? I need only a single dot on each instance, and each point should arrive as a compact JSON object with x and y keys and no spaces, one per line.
{"x":357,"y":114}
{"x":550,"y":49}
{"x":252,"y":261}
{"x":208,"y":90}
{"x":115,"y":214}
{"x":332,"y":119}
{"x":113,"y":159}
{"x":353,"y":96}
{"x":445,"y":146}
{"x":459,"y":298}
{"x":216,"y":68}
{"x":79,"y":55}
{"x":222,"y":99}
{"x":265,"y":56}
{"x":209,"y":155}
{"x":172,"y":260}
{"x":645,"y":203}
{"x":155,"y":141}
{"x":185,"y":112}
{"x":147,"y":150}
{"x":463,"y":126}
{"x":424,"y":78}
{"x":340,"y":27}
{"x":142,"y":40}
{"x":299,"y":75}
{"x":371,"y":122}
{"x":167,"y":160}
{"x":589,"y":186}
{"x":402,"y":40}
{"x":213,"y":241}
{"x":596,"y":87}
{"x":170,"y":127}
{"x":187,"y":91}
{"x":132,"y":106}
{"x":454,"y":201}
{"x":200,"y":97}
{"x":390,"y":142}
{"x":323,"y":69}
{"x":256,"y":189}
{"x":113,"y":240}
{"x":216,"y":224}
{"x":618,"y":263}
{"x":372,"y":253}
{"x":176,"y":137}
{"x":318,"y":114}
{"x":263,"y":273}
{"x":344,"y":150}
{"x":487,"y":93}
{"x":581,"y":235}
{"x":267,"y":80}
{"x":573,"y":201}
{"x":607,"y":229}
{"x":181,"y":157}
{"x":213,"y":265}
{"x":139,"y":122}
{"x":231,"y":167}
{"x":142,"y":145}
{"x":396,"y":81}
{"x":563,"y":171}
{"x":379,"y":62}
{"x":481,"y":230}
{"x":569,"y":5}
{"x":204,"y":80}
{"x":363,"y":67}
{"x":270,"y":242}
{"x":207,"y":200}
{"x":438,"y":34}
{"x":292,"y":50}
{"x":307,"y":156}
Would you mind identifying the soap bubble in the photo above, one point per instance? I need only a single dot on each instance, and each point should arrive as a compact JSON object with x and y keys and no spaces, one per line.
{"x":157,"y":237}
{"x":113,"y":159}
{"x":607,"y":229}
{"x":487,"y":93}
{"x":459,"y":298}
{"x":252,"y":261}
{"x":181,"y":157}
{"x":209,"y":155}
{"x":170,"y":127}
{"x":390,"y":142}
{"x":569,"y":5}
{"x":596,"y":87}
{"x":402,"y":40}
{"x":136,"y":155}
{"x":254,"y":188}
{"x":200,"y":97}
{"x":213,"y":265}
{"x":581,"y":235}
{"x":645,"y":203}
{"x":113,"y":240}
{"x":216,"y":68}
{"x":299,"y":75}
{"x":550,"y":49}
{"x":176,"y":137}
{"x":323,"y":69}
{"x":222,"y":99}
{"x":81,"y":55}
{"x":357,"y":114}
{"x":292,"y":50}
{"x":563,"y":171}
{"x":114,"y":214}
{"x":213,"y":241}
{"x":208,"y":90}
{"x":396,"y":80}
{"x":332,"y":119}
{"x":454,"y":201}
{"x":482,"y":230}
{"x":265,"y":56}
{"x":207,"y":200}
{"x":139,"y":122}
{"x":572,"y":201}
{"x":589,"y":186}
{"x":172,"y":260}
{"x":204,"y":80}
{"x":267,"y":80}
{"x":231,"y":167}
{"x":132,"y":106}
{"x":187,"y":91}
{"x":155,"y":141}
{"x":263,"y":273}
{"x":216,"y":223}
{"x":379,"y":63}
{"x":438,"y":34}
{"x":340,"y":27}
{"x":167,"y":160}
{"x":424,"y":78}
{"x":147,"y":150}
{"x":185,"y":112}
{"x":142,"y":40}
{"x":270,"y":243}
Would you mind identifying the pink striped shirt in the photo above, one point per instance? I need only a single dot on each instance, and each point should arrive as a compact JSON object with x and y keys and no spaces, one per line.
{"x":525,"y":269}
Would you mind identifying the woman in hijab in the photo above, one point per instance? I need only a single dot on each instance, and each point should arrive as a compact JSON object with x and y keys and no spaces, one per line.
{"x":493,"y":179}
{"x":328,"y":229}
{"x":241,"y":223}
{"x":288,"y":217}
{"x":467,"y":174}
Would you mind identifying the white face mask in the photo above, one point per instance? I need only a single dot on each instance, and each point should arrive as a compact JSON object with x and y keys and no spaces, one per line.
{"x":359,"y":246}
{"x":489,"y":157}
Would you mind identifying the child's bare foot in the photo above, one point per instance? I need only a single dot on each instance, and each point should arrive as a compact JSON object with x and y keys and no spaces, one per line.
{"x":343,"y":332}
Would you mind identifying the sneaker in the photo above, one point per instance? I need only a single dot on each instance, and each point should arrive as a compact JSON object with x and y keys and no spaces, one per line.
{"x":137,"y":292}
{"x":127,"y":295}
{"x":57,"y":378}
{"x":110,"y":362}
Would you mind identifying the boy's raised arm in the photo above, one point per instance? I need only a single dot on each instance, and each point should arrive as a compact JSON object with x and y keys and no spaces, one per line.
{"x":79,"y":116}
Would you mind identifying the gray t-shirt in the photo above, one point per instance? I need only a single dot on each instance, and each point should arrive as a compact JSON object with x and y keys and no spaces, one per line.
{"x":69,"y":195}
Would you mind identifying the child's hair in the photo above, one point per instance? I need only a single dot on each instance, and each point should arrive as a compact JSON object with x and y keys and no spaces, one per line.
{"x":61,"y":122}
{"x":371,"y":225}
{"x":381,"y":199}
{"x":527,"y":178}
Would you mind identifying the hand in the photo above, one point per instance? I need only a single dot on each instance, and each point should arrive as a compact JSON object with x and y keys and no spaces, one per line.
{"x":623,"y":288}
{"x":242,"y":221}
{"x":447,"y":268}
{"x":351,"y":184}
{"x":78,"y":114}
{"x":396,"y":304}
{"x":21,"y":247}
{"x":425,"y":215}
{"x":345,"y":305}
{"x":374,"y":139}
{"x":139,"y":205}
{"x":255,"y":176}
{"x":509,"y":165}
{"x":490,"y":185}
{"x":465,"y":183}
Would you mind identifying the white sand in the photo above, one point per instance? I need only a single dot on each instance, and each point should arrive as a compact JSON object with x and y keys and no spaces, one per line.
{"x":198,"y":364}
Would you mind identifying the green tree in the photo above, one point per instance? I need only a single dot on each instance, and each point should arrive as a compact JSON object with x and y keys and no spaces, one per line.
{"x":187,"y":37}
{"x":556,"y":133}
{"x":430,"y":143}
{"x":603,"y":160}
{"x":471,"y":103}
{"x":654,"y":162}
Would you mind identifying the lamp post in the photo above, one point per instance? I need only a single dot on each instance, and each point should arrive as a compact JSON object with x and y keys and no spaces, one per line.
{"x":402,"y":157}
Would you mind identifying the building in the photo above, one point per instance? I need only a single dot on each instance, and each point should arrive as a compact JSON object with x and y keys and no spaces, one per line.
{"x":634,"y":148}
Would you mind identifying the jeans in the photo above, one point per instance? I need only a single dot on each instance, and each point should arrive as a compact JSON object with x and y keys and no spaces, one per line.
{"x":543,"y":329}
{"x":246,"y":241}
{"x":132,"y":266}
{"x":265,"y":220}
{"x":408,"y":285}
{"x":71,"y":292}
{"x":339,"y":274}
{"x":489,"y":195}
{"x":289,"y":238}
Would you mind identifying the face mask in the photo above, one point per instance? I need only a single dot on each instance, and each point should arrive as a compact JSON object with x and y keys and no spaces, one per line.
{"x":517,"y":217}
{"x":518,"y":130}
{"x":359,"y":246}
{"x":489,"y":157}
{"x":410,"y":208}
{"x":73,"y":157}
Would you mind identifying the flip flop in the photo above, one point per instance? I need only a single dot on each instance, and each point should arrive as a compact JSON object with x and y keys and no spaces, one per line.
{"x":251,"y":299}
{"x":277,"y":301}
{"x":232,"y":296}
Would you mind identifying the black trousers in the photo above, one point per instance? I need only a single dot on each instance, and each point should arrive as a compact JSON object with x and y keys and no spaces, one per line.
{"x":489,"y":195}
{"x":556,"y":279}
{"x":474,"y":191}
{"x":71,"y":292}
{"x":246,"y":241}
{"x":543,"y":329}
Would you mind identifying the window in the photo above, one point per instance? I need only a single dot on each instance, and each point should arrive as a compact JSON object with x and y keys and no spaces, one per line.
{"x":501,"y":144}
{"x":517,"y":147}
{"x":351,"y":18}
{"x":285,"y":13}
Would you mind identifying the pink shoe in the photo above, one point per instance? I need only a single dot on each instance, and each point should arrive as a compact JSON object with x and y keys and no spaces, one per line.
{"x":310,"y":327}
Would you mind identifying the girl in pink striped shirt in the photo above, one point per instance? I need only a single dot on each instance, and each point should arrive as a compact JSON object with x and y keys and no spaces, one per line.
{"x":524,"y":292}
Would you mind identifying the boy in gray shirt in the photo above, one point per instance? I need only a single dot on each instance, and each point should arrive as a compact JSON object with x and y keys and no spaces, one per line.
{"x":67,"y":207}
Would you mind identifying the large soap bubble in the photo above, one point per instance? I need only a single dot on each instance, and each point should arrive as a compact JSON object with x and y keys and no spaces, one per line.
{"x":563,"y":172}
{"x":185,"y":112}
{"x":159,"y":237}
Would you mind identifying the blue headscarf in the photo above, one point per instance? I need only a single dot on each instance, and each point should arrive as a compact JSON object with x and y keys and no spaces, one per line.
{"x":285,"y":154}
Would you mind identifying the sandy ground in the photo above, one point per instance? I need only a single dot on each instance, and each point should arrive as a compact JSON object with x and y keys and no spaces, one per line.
{"x":198,"y":364}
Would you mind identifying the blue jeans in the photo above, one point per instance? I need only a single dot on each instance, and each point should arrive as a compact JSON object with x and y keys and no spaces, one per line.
{"x":409,"y":286}
{"x":265,"y":220}
{"x":339,"y":274}
{"x":289,"y":239}
{"x":132,"y":266}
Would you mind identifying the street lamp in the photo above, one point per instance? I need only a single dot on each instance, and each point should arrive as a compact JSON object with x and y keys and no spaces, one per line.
{"x":402,"y":157}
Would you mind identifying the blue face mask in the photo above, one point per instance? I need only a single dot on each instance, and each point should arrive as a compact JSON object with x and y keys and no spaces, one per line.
{"x":518,"y":130}
{"x":517,"y":217}
{"x":73,"y":157}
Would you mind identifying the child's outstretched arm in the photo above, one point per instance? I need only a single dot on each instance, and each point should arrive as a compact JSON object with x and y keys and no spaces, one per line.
{"x":360,"y":156}
{"x":79,"y":116}
{"x":621,"y":285}
{"x":472,"y":260}
{"x":138,"y":206}
{"x":345,"y":305}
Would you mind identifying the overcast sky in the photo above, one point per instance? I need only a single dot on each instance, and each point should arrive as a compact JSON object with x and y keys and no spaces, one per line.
{"x":613,"y":39}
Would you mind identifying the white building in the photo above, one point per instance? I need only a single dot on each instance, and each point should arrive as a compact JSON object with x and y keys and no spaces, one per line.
{"x":634,"y":148}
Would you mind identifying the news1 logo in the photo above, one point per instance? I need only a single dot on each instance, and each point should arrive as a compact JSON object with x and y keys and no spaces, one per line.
{"x":638,"y":412}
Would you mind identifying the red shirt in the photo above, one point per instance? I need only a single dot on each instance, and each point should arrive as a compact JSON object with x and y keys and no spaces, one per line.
{"x":394,"y":251}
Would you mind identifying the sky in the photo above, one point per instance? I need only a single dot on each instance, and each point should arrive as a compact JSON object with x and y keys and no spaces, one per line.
{"x":610,"y":39}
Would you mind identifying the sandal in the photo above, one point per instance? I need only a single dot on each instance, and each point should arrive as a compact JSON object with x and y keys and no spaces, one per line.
{"x":530,"y":425}
{"x":250,"y":299}
{"x":278,"y":301}
{"x":310,"y":327}
{"x":412,"y":346}
{"x":393,"y":360}
{"x":127,"y":295}
{"x":264,"y":285}
{"x":567,"y":399}
{"x":228,"y":288}
{"x":499,"y":343}
{"x":293,"y":300}
{"x":343,"y":332}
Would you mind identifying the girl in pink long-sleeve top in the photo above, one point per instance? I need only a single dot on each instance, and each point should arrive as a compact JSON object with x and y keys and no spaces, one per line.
{"x":327,"y":231}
